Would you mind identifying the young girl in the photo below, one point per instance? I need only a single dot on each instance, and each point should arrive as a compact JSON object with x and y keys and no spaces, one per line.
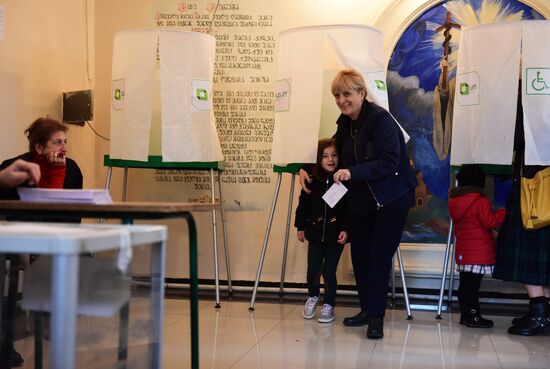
{"x":474,"y":221}
{"x":323,"y":227}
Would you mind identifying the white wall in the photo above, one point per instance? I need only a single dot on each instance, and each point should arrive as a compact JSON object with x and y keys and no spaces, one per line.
{"x":45,"y":51}
{"x":246,"y":229}
{"x":53,"y":46}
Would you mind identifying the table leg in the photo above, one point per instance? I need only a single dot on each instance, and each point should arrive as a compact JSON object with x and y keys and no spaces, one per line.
{"x":3,"y":350}
{"x":124,"y":314}
{"x":194,"y":281}
{"x":63,"y":311}
{"x":124,"y":319}
{"x":157,"y":301}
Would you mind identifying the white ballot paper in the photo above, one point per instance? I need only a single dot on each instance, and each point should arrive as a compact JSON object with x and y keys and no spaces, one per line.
{"x":334,"y":194}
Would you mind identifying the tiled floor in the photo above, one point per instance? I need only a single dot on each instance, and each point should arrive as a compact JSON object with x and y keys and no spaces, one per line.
{"x":276,"y":336}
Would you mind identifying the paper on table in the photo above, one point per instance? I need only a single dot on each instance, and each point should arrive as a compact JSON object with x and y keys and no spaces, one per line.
{"x":334,"y":194}
{"x":62,"y":195}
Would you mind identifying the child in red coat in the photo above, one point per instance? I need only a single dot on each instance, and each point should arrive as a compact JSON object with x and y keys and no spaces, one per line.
{"x":474,"y":221}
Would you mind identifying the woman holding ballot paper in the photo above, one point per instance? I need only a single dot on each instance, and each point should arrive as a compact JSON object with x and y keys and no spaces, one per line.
{"x":48,"y":149}
{"x":380,"y":184}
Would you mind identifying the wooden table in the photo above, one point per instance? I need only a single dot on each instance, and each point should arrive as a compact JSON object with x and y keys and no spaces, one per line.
{"x":127,"y":212}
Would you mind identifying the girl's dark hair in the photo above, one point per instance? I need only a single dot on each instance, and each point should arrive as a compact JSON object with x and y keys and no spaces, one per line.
{"x":471,"y":175}
{"x":41,"y":130}
{"x":318,"y":171}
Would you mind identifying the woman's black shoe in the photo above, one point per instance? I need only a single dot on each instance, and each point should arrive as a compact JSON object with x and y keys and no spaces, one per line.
{"x":357,"y":320}
{"x":538,"y":321}
{"x":520,"y":320}
{"x":376,"y":328}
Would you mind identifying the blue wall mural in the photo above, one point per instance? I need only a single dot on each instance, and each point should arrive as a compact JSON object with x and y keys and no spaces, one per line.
{"x":421,"y":75}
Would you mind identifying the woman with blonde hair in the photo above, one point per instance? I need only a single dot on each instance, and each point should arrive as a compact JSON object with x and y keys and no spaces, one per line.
{"x":381,"y":186}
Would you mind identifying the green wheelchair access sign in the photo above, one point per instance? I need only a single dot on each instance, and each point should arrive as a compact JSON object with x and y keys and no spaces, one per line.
{"x":537,"y":81}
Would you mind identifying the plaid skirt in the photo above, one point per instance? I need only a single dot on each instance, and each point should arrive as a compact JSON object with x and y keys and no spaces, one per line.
{"x":476,"y":268}
{"x":522,"y":256}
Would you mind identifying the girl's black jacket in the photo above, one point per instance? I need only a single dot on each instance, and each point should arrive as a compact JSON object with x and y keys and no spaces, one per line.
{"x":320,"y":223}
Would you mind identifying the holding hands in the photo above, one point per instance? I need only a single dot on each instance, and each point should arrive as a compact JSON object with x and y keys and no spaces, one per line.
{"x":339,"y":176}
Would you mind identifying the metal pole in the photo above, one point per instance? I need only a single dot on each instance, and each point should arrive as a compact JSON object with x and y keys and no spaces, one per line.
{"x":225,"y":242}
{"x":451,"y":270}
{"x":444,"y":272}
{"x":404,"y":284}
{"x":124,"y":183}
{"x":393,"y":278}
{"x":108,"y":179}
{"x":288,"y":218}
{"x":215,"y":237}
{"x":266,"y":239}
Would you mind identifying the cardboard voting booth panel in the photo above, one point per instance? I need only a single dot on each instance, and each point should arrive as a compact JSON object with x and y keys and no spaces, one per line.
{"x":492,"y":60}
{"x":308,"y":60}
{"x":162,"y":85}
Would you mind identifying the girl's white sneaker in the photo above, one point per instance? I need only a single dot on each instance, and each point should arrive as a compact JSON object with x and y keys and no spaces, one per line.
{"x":310,"y":306}
{"x":327,"y":314}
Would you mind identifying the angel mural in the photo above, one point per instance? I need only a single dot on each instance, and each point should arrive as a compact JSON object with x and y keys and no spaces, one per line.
{"x":421,"y":75}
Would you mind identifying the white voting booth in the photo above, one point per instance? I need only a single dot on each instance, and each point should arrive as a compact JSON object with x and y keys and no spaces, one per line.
{"x":161,"y":109}
{"x":308,"y":60}
{"x":493,"y":60}
{"x":184,"y":77}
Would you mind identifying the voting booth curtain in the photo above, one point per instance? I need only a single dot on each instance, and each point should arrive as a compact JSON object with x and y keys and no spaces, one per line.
{"x":492,"y":60}
{"x":178,"y":64}
{"x":308,"y":60}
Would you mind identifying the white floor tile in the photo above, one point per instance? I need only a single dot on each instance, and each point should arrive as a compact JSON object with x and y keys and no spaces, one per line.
{"x":277,"y":336}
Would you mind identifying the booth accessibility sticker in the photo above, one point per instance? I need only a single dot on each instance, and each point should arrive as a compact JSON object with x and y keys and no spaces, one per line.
{"x":118,"y":94}
{"x":200,"y":95}
{"x":537,"y":81}
{"x":468,"y":85}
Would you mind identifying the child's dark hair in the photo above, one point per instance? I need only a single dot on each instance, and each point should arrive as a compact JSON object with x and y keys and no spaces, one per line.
{"x":471,"y":175}
{"x":318,"y":171}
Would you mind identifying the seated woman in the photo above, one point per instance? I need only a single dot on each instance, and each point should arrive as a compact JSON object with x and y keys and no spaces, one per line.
{"x":48,"y":148}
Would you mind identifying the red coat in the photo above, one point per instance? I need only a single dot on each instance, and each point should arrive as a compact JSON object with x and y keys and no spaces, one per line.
{"x":474,"y":220}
